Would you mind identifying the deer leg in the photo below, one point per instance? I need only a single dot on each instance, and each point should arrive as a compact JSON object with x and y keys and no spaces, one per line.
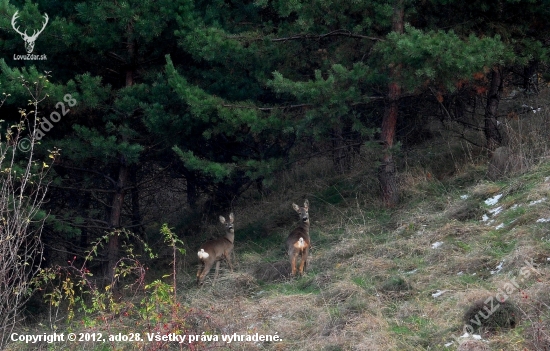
{"x":217,"y":271}
{"x":228,"y":260}
{"x":293,"y":264}
{"x":207,"y":267}
{"x":303,"y":264}
{"x":201,"y":267}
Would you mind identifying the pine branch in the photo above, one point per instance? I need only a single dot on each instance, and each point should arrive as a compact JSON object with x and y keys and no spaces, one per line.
{"x":267,"y":108}
{"x":338,"y":32}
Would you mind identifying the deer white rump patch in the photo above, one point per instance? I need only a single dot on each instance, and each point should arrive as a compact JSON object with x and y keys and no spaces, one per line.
{"x":300,"y":244}
{"x":203,"y":254}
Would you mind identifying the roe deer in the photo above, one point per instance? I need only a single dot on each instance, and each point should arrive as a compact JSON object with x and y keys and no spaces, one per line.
{"x":298,"y":242}
{"x":216,"y":250}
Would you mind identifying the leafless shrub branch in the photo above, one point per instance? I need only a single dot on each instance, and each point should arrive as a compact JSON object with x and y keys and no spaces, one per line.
{"x":22,"y":191}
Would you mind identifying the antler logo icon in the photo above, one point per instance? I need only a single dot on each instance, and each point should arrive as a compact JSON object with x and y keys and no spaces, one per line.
{"x":29,"y":40}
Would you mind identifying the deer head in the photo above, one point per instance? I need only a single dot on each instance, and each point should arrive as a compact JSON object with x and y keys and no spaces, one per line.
{"x":29,"y":40}
{"x":302,"y":211}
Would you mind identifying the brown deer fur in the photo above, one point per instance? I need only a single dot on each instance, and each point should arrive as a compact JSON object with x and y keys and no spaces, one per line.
{"x":215,"y":251}
{"x":298,"y":242}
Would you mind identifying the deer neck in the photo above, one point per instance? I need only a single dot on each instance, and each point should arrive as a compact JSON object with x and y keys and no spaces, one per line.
{"x":230,"y":236}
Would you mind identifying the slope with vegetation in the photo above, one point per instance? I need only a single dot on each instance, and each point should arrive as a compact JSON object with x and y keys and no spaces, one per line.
{"x":410,"y":279}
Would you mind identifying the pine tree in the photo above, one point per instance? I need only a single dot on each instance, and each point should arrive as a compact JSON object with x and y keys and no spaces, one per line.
{"x":405,"y":59}
{"x":106,"y":55}
{"x":521,"y":25}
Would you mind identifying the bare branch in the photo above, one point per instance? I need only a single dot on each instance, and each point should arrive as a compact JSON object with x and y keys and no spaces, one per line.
{"x":22,"y":193}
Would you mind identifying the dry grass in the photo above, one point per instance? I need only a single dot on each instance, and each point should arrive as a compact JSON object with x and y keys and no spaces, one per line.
{"x":370,"y":284}
{"x":374,"y":274}
{"x":353,"y":296}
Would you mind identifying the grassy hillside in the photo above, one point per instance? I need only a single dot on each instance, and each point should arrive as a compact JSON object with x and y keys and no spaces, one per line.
{"x":400,"y":279}
{"x":459,"y":255}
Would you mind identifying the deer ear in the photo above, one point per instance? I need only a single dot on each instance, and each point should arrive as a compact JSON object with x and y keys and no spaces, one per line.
{"x":231,"y":217}
{"x":295,"y":207}
{"x":222,"y":219}
{"x":306,"y":204}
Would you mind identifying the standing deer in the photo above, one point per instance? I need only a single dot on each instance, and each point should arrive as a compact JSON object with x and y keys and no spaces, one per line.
{"x":216,"y":250}
{"x":298,"y":242}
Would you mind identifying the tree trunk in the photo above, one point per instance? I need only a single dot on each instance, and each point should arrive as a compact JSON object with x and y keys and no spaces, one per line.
{"x":122,"y":181}
{"x":136,"y":210}
{"x":338,"y":149}
{"x":191,"y":187}
{"x":492,"y":134}
{"x":530,"y":81}
{"x":387,"y":171}
{"x":114,"y":219}
{"x":84,"y":208}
